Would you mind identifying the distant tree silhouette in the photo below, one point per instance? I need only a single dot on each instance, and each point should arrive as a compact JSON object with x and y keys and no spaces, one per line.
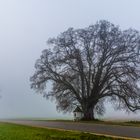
{"x":90,"y":66}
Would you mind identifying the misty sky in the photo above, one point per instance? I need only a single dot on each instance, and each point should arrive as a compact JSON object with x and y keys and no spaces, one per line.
{"x":25,"y":26}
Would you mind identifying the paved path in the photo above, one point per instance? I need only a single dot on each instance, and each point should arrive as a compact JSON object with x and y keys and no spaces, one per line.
{"x":123,"y":131}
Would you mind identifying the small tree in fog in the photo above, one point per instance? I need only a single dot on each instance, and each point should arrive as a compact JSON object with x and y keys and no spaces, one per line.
{"x":90,"y":66}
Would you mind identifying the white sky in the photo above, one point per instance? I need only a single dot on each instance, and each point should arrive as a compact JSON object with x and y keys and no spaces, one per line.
{"x":25,"y":26}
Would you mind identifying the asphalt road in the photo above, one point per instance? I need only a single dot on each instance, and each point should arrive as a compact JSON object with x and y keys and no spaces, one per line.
{"x":115,"y":130}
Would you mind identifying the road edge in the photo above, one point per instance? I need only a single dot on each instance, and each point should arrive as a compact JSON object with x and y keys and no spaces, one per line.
{"x":61,"y":129}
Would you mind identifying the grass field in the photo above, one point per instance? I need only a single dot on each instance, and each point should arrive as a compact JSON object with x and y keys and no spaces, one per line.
{"x":121,"y":123}
{"x":19,"y":132}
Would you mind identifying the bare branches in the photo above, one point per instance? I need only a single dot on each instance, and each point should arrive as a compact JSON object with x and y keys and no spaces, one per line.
{"x":88,"y":65}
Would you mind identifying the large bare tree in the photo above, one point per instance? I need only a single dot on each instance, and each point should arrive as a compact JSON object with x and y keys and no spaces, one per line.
{"x":89,"y":66}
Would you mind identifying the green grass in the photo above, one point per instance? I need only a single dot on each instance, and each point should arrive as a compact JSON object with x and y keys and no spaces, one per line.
{"x":19,"y":132}
{"x":127,"y":123}
{"x":133,"y":122}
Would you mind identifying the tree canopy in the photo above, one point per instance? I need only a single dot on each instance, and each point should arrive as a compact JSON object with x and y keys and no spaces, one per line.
{"x":89,"y":66}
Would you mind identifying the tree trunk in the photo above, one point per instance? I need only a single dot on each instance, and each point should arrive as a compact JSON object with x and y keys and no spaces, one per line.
{"x":89,"y":114}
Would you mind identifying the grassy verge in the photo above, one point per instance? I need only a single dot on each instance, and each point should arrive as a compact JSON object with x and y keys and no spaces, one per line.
{"x":20,"y":132}
{"x":128,"y":123}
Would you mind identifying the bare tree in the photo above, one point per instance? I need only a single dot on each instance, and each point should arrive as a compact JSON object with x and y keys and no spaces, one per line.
{"x":88,"y":66}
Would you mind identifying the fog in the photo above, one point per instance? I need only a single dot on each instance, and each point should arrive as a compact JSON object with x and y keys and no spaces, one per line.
{"x":26,"y":25}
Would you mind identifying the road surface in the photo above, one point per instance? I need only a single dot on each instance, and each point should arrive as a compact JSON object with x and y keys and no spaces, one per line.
{"x":114,"y":130}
